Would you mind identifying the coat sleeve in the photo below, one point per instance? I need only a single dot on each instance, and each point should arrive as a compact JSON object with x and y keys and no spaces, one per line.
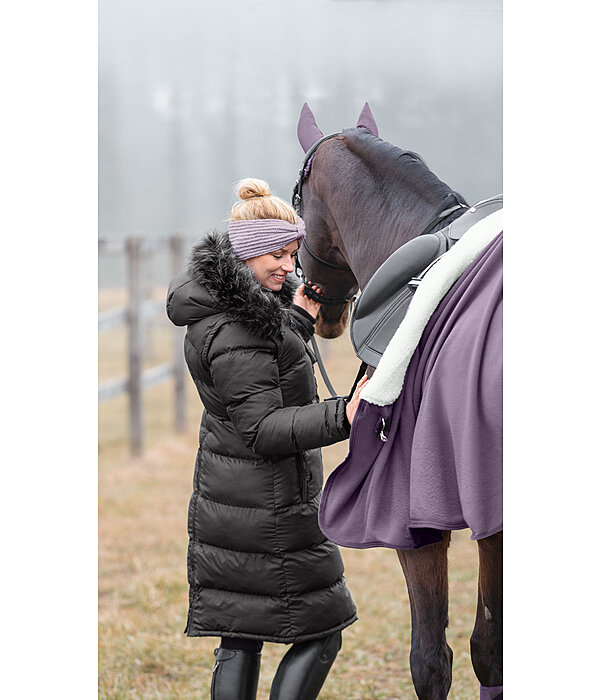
{"x":305,"y":323}
{"x":247,"y":380}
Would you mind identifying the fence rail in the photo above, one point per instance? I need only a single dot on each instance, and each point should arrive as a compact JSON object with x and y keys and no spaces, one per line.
{"x":137,"y":316}
{"x":147,"y":245}
{"x":119,"y":315}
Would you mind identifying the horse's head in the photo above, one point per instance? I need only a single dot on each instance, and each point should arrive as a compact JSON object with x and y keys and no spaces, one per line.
{"x":322,"y":257}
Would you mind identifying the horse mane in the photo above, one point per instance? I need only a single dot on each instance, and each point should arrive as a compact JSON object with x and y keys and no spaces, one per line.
{"x":392,"y":167}
{"x":375,"y":191}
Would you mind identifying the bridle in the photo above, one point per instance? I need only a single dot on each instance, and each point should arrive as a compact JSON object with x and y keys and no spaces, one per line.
{"x":303,"y":174}
{"x":297,"y":204}
{"x":337,"y":301}
{"x":322,"y":298}
{"x":305,"y":170}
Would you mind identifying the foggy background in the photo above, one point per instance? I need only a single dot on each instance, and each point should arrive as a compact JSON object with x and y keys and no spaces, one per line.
{"x":196,"y":95}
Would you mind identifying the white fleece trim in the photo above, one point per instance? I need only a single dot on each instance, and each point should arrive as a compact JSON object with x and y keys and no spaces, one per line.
{"x":387,"y":380}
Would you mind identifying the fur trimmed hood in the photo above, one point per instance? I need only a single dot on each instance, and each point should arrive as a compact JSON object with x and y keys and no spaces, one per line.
{"x":216,"y":281}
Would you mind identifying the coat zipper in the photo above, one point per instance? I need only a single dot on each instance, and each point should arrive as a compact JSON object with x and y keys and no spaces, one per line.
{"x":304,"y":473}
{"x":189,"y":615}
{"x":304,"y":476}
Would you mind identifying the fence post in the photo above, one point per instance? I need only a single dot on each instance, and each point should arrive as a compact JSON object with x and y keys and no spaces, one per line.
{"x":134,"y":281}
{"x":147,"y":284}
{"x":179,"y":370}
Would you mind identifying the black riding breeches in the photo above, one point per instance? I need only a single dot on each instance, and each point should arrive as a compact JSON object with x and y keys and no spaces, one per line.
{"x":251,"y":645}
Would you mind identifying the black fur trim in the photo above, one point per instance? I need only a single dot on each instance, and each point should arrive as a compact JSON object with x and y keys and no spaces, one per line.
{"x":214,"y":265}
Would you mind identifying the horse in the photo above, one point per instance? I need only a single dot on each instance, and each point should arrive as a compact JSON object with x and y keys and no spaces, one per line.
{"x":362,"y":198}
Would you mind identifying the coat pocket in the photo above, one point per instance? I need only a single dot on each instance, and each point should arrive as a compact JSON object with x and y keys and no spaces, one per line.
{"x":193,"y":596}
{"x":304,"y":475}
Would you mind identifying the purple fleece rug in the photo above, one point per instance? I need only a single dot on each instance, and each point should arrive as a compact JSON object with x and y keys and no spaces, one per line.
{"x":441,"y":467}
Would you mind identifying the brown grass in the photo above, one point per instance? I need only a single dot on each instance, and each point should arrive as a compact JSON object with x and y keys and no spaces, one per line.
{"x":142,"y":552}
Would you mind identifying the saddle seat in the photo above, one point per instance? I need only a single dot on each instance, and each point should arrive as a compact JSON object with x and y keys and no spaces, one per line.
{"x":383,"y":303}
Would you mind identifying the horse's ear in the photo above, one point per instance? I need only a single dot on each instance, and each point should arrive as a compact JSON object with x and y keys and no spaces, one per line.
{"x":367,"y":120}
{"x":308,"y":131}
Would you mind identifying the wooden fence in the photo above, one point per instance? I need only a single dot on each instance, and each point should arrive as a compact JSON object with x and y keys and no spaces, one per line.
{"x":137,"y":316}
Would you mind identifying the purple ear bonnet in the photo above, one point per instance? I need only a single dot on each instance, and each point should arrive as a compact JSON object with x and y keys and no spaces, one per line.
{"x":308,"y":131}
{"x":367,"y":120}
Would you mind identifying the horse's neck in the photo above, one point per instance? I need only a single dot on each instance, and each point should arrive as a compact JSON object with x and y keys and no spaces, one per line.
{"x":368,"y":244}
{"x":381,"y":217}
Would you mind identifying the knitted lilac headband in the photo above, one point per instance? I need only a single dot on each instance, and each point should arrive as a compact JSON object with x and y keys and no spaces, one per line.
{"x":252,"y":237}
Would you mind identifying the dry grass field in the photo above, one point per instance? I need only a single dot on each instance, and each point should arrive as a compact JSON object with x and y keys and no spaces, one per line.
{"x":142,"y":561}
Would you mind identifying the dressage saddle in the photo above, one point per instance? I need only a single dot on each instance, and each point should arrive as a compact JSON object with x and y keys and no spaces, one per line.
{"x":384,"y":301}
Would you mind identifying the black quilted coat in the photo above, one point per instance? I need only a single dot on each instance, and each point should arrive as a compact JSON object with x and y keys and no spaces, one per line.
{"x":258,"y":565}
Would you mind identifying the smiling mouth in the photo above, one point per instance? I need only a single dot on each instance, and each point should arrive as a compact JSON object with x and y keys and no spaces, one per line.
{"x":279,"y":278}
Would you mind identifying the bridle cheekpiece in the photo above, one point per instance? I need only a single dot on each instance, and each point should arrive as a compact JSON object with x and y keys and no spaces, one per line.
{"x":297,"y":204}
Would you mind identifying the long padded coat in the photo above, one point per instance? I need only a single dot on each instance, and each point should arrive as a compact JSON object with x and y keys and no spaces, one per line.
{"x":258,"y":565}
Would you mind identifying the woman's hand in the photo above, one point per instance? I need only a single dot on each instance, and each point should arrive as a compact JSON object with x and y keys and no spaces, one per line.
{"x":352,"y":405}
{"x":306,"y":303}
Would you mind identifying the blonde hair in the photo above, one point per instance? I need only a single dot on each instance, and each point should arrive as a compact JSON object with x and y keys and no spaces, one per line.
{"x":259,"y":203}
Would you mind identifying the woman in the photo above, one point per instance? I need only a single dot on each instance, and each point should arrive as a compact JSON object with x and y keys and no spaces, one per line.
{"x":259,"y":568}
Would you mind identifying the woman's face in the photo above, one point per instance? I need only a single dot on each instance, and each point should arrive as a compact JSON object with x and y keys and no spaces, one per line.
{"x":270,"y":269}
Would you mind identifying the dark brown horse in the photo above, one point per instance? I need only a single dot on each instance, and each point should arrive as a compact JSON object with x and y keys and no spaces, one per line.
{"x":361,"y":199}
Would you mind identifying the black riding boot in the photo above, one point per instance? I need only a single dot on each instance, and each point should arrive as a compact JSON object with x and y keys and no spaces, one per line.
{"x":235,"y":675}
{"x":303,"y":670}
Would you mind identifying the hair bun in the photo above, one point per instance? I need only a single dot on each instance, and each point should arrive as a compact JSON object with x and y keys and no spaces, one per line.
{"x":252,"y":187}
{"x":258,"y":202}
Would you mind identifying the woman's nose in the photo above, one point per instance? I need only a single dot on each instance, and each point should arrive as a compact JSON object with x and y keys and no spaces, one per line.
{"x":288,"y":266}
